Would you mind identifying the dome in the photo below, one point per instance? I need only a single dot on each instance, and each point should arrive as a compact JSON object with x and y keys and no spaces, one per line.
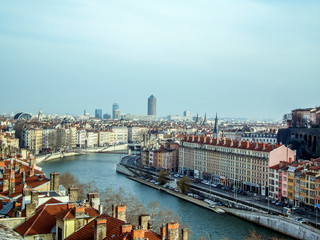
{"x":22,"y":115}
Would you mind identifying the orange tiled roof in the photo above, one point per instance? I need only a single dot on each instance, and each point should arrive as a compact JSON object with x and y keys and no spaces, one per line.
{"x":87,"y":232}
{"x":31,"y":182}
{"x":43,"y":221}
{"x":70,"y":213}
{"x":232,"y":143}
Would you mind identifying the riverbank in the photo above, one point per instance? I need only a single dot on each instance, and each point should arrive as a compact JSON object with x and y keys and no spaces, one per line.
{"x":52,"y":156}
{"x":200,"y":203}
{"x":278,"y":223}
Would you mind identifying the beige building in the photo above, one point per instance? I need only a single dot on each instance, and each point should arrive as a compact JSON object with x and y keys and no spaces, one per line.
{"x":232,"y":163}
{"x":32,"y":139}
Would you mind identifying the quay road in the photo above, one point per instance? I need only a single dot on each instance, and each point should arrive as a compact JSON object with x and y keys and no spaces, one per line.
{"x":259,"y":202}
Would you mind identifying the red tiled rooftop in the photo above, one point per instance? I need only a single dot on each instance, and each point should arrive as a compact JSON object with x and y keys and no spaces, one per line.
{"x":70,"y":213}
{"x":43,"y":221}
{"x":87,"y":232}
{"x":31,"y":182}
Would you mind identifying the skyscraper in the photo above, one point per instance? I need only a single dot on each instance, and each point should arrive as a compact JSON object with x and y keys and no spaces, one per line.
{"x":152,"y":105}
{"x":115,"y":111}
{"x":98,"y":113}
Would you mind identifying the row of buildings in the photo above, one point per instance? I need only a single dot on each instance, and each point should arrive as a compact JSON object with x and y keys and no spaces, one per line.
{"x":267,"y":169}
{"x":36,"y":207}
{"x":42,"y":138}
{"x":297,"y":183}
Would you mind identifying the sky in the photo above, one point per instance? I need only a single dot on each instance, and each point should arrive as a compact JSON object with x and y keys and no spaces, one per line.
{"x":240,"y":58}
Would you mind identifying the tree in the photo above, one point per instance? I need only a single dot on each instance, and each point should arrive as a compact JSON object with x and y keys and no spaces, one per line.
{"x":69,"y":181}
{"x":109,"y":196}
{"x":162,"y":176}
{"x":184,"y":184}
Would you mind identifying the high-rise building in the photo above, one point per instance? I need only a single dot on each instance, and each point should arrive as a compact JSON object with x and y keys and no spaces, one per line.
{"x":98,"y":113}
{"x":115,"y":111}
{"x":152,"y":105}
{"x":106,"y":116}
{"x":186,"y":113}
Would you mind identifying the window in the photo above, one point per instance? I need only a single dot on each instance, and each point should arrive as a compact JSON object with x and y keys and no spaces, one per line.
{"x":59,"y":233}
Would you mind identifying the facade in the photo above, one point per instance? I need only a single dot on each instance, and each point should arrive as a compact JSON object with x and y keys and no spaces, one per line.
{"x":260,"y":137}
{"x":115,"y":111}
{"x":120,"y":134}
{"x":152,"y":105}
{"x":106,"y":116}
{"x":32,"y":139}
{"x":98,"y":113}
{"x":135,"y":134}
{"x":161,"y":159}
{"x":232,"y":163}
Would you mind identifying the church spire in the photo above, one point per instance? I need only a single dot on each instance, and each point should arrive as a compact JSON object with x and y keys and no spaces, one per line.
{"x":205,"y":119}
{"x":216,"y":127}
{"x":197,"y":119}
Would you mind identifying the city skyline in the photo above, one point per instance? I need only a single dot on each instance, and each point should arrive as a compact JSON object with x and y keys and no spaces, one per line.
{"x":247,"y":58}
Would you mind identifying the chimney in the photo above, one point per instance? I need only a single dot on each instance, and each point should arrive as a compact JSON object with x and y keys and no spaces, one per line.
{"x":138,"y":234}
{"x":12,"y":185}
{"x":73,"y":194}
{"x":80,"y":212}
{"x":126,"y":228}
{"x":257,"y":145}
{"x":239,"y":143}
{"x":71,"y":205}
{"x":100,"y":209}
{"x":121,"y":212}
{"x":34,"y":197}
{"x":114,"y":206}
{"x":173,"y":231}
{"x":93,"y":200}
{"x":100,"y":228}
{"x":17,"y":206}
{"x":263,"y":146}
{"x":6,"y":177}
{"x":144,"y":222}
{"x":30,"y":209}
{"x":12,"y":174}
{"x":247,"y":144}
{"x":23,"y":178}
{"x":163,"y":232}
{"x":26,"y":192}
{"x":224,"y":141}
{"x":231,"y":143}
{"x":185,"y":233}
{"x":54,"y":181}
{"x":217,"y":141}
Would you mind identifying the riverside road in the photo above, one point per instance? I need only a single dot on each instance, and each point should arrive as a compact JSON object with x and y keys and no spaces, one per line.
{"x":250,"y":200}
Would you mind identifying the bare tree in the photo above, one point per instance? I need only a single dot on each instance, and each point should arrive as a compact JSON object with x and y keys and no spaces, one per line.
{"x":184,"y":184}
{"x":162,"y":176}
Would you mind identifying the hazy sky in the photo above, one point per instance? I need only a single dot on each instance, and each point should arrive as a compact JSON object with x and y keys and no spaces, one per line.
{"x":240,"y":58}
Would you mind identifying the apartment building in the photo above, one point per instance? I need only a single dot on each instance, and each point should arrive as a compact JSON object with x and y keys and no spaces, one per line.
{"x":120,"y":134}
{"x":31,"y":138}
{"x":232,"y":163}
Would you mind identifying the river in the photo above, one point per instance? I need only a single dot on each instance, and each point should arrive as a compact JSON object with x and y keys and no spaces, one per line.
{"x":102,"y":169}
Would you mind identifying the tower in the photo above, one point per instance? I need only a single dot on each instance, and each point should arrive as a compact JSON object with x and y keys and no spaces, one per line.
{"x":98,"y":113}
{"x":205,"y":119}
{"x":152,"y":105}
{"x":115,"y":111}
{"x":216,"y":128}
{"x":197,"y":119}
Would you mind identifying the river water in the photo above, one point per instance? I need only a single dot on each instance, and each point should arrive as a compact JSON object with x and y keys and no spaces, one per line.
{"x":102,"y":169}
